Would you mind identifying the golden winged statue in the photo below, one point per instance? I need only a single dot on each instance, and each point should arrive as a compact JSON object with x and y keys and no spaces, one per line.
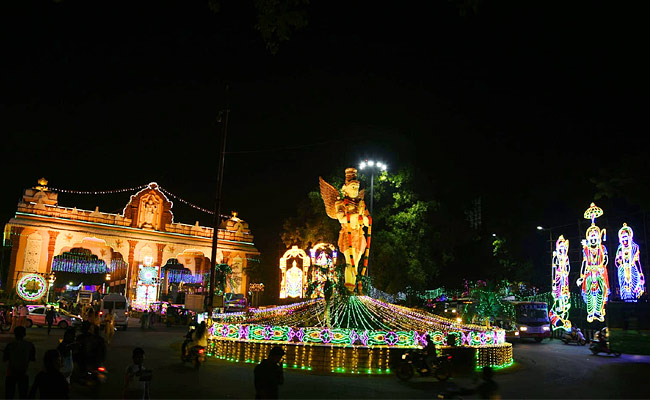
{"x":348,"y":207}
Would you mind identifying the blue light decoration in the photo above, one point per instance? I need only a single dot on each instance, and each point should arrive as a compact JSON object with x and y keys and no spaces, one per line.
{"x":559,"y":312}
{"x":79,"y":260}
{"x":593,"y":274}
{"x":631,"y":281}
{"x":185,"y":276}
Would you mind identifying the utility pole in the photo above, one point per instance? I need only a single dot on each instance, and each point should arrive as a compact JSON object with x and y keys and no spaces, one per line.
{"x":216,"y":219}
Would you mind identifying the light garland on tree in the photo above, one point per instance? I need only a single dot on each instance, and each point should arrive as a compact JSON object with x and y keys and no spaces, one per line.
{"x":631,"y":281}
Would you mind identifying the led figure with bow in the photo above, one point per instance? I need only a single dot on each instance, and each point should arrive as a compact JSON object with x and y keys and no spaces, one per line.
{"x":593,"y":274}
{"x":559,"y":313}
{"x":349,"y":209}
{"x":630,"y":275}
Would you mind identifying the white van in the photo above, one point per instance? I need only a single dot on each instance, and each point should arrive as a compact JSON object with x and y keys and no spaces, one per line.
{"x":116,"y":303}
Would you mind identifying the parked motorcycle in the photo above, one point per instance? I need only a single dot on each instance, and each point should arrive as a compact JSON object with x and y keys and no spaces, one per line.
{"x":413,"y":361}
{"x":574,"y":336}
{"x":600,"y":344}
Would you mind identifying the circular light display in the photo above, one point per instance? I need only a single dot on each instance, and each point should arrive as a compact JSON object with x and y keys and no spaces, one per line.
{"x":31,"y":287}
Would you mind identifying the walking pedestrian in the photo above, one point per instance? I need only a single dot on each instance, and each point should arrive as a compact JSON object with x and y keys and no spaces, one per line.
{"x":50,"y":383}
{"x":109,"y":327}
{"x":14,"y":318}
{"x":144,"y":319}
{"x":65,"y":348}
{"x":18,"y":353}
{"x":152,"y":317}
{"x":50,"y":317}
{"x":137,"y":378}
{"x":22,"y":314}
{"x":269,"y":375}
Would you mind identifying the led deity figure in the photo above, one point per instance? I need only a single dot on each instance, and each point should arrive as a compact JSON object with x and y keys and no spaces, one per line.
{"x":593,"y":274}
{"x":630,"y":275}
{"x":559,"y":313}
{"x":349,"y":209}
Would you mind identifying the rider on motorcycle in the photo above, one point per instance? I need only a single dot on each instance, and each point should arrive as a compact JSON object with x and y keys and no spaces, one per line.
{"x":199,"y":337}
{"x":429,"y":352}
{"x":91,"y":349}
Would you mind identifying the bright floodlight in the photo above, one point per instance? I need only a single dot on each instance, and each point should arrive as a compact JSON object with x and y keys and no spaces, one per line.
{"x":362,"y":166}
{"x":383,"y":166}
{"x":539,"y":228}
{"x":371,"y":163}
{"x":494,"y":235}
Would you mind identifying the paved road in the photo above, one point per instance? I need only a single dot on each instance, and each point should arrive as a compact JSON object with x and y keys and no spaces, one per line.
{"x":546,"y":370}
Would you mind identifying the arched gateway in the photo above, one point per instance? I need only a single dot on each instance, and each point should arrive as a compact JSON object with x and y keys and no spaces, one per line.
{"x":46,"y":238}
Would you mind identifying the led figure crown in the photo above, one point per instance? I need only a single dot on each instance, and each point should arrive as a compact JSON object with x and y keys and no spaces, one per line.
{"x":593,"y":212}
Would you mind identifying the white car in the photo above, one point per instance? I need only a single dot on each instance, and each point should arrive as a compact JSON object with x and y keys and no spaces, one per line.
{"x":62,"y":318}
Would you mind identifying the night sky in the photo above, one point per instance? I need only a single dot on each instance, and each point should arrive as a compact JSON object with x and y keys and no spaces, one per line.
{"x":518,"y":102}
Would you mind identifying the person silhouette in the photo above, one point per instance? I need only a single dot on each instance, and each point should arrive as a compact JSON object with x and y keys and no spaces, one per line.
{"x":269,"y":375}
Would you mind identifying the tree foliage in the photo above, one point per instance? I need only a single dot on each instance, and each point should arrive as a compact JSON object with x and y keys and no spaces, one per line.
{"x":311,"y":224}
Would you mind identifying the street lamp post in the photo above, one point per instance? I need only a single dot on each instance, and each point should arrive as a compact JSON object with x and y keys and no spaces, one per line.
{"x":372,"y":166}
{"x":550,"y":236}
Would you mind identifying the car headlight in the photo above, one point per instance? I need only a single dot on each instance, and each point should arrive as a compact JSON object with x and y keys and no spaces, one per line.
{"x":523,"y":328}
{"x":546,"y":328}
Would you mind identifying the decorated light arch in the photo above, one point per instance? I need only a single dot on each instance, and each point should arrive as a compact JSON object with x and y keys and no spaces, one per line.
{"x":631,"y":281}
{"x":593,"y":279}
{"x":31,"y":287}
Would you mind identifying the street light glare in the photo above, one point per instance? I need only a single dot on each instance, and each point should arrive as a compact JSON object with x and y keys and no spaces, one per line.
{"x":539,"y":228}
{"x":362,"y":166}
{"x":371,"y":163}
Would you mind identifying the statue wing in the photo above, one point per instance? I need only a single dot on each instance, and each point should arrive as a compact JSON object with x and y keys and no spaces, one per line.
{"x":330,"y":195}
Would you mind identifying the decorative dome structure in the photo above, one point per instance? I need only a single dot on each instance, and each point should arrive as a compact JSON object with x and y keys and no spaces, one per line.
{"x":350,"y":334}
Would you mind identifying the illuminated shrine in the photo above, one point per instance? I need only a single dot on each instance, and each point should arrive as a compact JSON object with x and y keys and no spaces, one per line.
{"x":323,"y":261}
{"x":142,"y":251}
{"x":294,"y":265}
{"x":631,"y":281}
{"x":344,"y":332}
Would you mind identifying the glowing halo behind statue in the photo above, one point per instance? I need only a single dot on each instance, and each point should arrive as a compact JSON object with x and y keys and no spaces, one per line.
{"x":631,"y":281}
{"x":559,"y":312}
{"x":31,"y":287}
{"x":594,"y":280}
